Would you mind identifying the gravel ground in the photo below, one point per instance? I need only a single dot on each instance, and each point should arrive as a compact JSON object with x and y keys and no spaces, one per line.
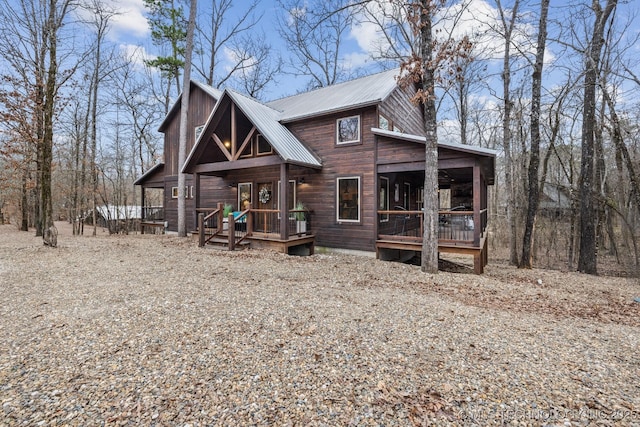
{"x":152,"y":330}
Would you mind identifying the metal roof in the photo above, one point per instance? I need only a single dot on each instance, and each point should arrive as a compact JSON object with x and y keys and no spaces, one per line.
{"x":356,"y":93}
{"x":421,"y":139}
{"x":266,"y":120}
{"x":148,"y":173}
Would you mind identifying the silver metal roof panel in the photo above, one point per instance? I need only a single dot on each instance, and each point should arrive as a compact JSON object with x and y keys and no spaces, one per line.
{"x":352,"y":94}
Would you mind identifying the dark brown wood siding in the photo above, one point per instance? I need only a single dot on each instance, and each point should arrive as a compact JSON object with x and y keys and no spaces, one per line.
{"x":319,"y":191}
{"x":200,"y":106}
{"x":395,"y":151}
{"x":171,"y":204}
{"x":399,"y":109}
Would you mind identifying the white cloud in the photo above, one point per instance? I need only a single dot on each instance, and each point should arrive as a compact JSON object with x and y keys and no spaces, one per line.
{"x":127,"y":23}
{"x":355,"y":60}
{"x":367,"y":34}
{"x":136,"y":54}
{"x":130,"y":21}
{"x":477,"y":19}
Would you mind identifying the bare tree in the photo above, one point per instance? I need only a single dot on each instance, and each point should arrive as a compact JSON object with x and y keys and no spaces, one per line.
{"x":224,"y":41}
{"x":32,"y":36}
{"x":534,"y":157}
{"x":315,"y":36}
{"x":508,"y":25}
{"x":587,"y":260}
{"x":133,"y":95}
{"x":262,"y":68}
{"x":101,"y":15}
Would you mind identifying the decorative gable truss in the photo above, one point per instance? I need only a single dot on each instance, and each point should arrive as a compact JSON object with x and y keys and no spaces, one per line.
{"x":241,"y":130}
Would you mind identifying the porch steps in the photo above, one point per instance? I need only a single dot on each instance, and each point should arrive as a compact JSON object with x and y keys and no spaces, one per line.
{"x":222,"y":242}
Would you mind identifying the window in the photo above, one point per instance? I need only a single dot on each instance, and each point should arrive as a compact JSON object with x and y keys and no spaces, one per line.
{"x":383,"y":198}
{"x":244,"y":195}
{"x":248,"y":150}
{"x":263,"y":146}
{"x":196,"y":132}
{"x":348,"y":130}
{"x":348,"y":199}
{"x":384,"y":122}
{"x":174,"y":192}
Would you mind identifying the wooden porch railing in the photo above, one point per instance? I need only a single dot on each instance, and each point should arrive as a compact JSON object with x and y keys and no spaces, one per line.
{"x":209,"y":224}
{"x":454,"y":226}
{"x":241,"y":225}
{"x":153,"y":213}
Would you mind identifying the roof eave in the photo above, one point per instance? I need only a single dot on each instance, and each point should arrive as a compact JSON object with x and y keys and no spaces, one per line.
{"x":148,"y":173}
{"x":486,"y":152}
{"x":292,"y":119}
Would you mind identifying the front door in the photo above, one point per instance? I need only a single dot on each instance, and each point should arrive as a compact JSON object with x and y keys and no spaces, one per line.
{"x":266,"y":220}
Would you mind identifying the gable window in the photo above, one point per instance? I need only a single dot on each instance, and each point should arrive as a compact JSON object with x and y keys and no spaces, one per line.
{"x":197,"y":131}
{"x":348,"y":199}
{"x":263,"y":146}
{"x":348,"y":130}
{"x":384,"y":122}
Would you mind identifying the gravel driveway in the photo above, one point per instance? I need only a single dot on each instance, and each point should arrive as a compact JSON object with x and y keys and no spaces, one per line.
{"x":152,"y":330}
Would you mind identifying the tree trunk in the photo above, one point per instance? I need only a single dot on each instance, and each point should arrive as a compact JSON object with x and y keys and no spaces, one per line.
{"x":94,"y":136}
{"x":24,"y":226}
{"x":506,"y":131}
{"x":184,"y":110}
{"x":534,"y":160}
{"x":430,"y":234}
{"x":46,"y":204}
{"x":587,"y":258}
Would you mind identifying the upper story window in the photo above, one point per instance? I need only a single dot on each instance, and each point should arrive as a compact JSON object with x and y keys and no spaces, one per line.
{"x":263,"y":146}
{"x":348,"y":130}
{"x":383,"y":122}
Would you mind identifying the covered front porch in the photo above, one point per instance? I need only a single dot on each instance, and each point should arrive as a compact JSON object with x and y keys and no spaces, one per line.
{"x":464,"y":174}
{"x":245,"y":166}
{"x":261,"y":228}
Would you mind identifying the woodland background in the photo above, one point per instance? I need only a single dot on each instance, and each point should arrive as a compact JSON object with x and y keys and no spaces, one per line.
{"x":552,"y":87}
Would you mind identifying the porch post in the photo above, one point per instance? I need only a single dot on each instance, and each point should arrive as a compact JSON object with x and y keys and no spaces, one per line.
{"x":196,"y":200}
{"x":284,"y":201}
{"x":142,"y":209}
{"x":477,"y":197}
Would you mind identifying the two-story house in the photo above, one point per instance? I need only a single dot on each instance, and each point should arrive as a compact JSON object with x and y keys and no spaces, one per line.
{"x":347,"y":160}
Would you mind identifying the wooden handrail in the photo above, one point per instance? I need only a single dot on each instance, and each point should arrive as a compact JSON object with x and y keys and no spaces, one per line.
{"x":215,"y":211}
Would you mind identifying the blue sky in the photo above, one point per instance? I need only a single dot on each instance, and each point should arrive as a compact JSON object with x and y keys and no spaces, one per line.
{"x":130,"y":30}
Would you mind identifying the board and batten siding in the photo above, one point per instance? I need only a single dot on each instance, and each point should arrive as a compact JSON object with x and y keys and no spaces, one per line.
{"x":200,"y":106}
{"x":399,"y":109}
{"x":338,"y":161}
